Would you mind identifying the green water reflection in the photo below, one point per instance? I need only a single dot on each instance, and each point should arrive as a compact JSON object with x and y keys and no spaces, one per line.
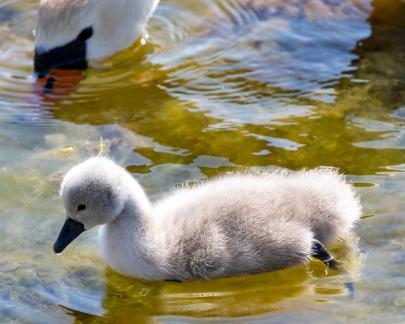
{"x":220,"y":86}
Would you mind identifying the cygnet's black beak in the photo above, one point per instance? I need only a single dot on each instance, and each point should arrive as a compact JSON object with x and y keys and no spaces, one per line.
{"x":70,"y":230}
{"x":71,"y":56}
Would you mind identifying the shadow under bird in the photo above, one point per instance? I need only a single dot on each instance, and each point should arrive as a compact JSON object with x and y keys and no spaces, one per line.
{"x":229,"y":226}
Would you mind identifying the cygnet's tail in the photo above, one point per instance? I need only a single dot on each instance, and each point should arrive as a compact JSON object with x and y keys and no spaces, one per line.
{"x":348,"y":208}
{"x":339,"y":207}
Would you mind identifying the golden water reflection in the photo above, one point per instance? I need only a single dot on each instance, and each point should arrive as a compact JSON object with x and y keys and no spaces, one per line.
{"x":208,"y":94}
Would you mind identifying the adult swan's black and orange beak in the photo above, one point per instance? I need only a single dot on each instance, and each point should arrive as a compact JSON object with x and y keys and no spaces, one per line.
{"x":70,"y":230}
{"x":71,"y":56}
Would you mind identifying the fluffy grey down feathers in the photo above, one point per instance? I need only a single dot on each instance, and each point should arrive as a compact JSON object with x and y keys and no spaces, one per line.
{"x":229,"y":226}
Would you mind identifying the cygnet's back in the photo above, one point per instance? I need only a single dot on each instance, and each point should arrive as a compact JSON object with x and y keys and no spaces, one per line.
{"x":252,"y":223}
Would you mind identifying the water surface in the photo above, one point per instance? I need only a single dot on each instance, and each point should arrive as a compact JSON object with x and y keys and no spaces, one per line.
{"x":220,"y":85}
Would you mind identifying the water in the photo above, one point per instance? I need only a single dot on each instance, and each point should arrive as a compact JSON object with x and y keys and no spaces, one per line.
{"x":220,"y":85}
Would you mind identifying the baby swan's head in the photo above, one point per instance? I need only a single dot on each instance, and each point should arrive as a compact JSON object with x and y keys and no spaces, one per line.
{"x":94,"y":193}
{"x":72,"y":32}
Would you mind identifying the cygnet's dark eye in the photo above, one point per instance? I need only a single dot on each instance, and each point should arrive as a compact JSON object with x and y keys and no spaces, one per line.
{"x":81,"y":207}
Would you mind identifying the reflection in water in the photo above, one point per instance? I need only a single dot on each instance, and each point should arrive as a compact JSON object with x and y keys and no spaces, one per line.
{"x":130,"y":299}
{"x":245,"y":97}
{"x":230,"y":297}
{"x":220,"y":85}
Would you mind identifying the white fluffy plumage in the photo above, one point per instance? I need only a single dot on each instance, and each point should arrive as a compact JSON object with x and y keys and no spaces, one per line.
{"x":228,"y":226}
{"x":116,"y":24}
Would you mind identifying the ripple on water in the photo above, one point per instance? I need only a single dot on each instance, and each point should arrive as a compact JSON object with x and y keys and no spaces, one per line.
{"x":261,"y":56}
{"x":219,"y":85}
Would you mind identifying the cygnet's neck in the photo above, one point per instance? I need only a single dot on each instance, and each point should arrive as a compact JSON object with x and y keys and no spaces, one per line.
{"x":127,"y":242}
{"x":137,"y":210}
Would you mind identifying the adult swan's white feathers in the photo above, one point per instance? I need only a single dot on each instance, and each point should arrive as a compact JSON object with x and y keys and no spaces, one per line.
{"x":228,"y":226}
{"x":69,"y":33}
